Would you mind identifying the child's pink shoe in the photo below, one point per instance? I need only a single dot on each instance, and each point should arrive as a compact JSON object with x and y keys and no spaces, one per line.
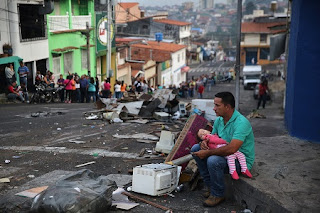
{"x":235,"y":175}
{"x":247,"y":173}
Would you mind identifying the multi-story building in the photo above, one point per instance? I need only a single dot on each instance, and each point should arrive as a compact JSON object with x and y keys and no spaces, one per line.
{"x":127,"y":11}
{"x":68,"y":27}
{"x":206,"y":4}
{"x":255,"y":39}
{"x":23,"y":27}
{"x":170,"y":58}
{"x":178,"y":31}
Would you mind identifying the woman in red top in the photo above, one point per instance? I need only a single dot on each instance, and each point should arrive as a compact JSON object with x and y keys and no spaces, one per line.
{"x":263,"y":92}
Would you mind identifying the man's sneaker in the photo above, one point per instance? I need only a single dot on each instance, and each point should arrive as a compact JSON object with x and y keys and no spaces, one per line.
{"x":213,"y":201}
{"x":28,"y":102}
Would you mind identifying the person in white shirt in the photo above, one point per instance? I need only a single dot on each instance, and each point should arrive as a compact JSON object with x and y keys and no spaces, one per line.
{"x":117,"y":90}
{"x":9,"y":72}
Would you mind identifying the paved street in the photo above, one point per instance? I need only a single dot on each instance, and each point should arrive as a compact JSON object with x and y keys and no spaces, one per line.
{"x":208,"y":67}
{"x":60,"y":138}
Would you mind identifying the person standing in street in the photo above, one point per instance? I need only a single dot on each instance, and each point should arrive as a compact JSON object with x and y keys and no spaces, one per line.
{"x":23,"y":73}
{"x":263,"y":93}
{"x":200,"y":91}
{"x":97,"y":87}
{"x":91,"y":91}
{"x":106,"y":88}
{"x":68,"y":86}
{"x":9,"y":72}
{"x":60,"y":84}
{"x":84,"y":84}
{"x":117,"y":90}
{"x":123,"y":88}
{"x":212,"y":164}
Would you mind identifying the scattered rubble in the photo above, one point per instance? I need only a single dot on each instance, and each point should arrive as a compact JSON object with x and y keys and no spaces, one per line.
{"x":255,"y":114}
{"x":142,"y":136}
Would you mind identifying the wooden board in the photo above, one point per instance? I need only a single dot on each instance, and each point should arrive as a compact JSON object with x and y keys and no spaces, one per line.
{"x":187,"y":138}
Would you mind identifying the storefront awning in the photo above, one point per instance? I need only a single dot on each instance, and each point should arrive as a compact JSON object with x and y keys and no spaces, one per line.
{"x":65,"y":49}
{"x":11,"y":59}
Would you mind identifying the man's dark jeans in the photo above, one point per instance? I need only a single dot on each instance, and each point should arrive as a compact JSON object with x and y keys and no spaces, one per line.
{"x":212,"y":170}
{"x":84,"y":94}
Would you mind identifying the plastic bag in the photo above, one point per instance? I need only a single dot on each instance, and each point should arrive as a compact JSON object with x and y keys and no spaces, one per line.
{"x":80,"y":192}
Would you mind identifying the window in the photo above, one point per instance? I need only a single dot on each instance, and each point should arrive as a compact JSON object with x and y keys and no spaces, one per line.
{"x":32,"y":25}
{"x":84,"y":58}
{"x":242,"y":37}
{"x":56,"y":64}
{"x":178,"y":57}
{"x":68,"y":62}
{"x":263,"y":38}
{"x":264,"y":53}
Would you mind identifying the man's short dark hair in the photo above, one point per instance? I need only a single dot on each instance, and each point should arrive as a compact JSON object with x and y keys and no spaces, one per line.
{"x":227,"y":98}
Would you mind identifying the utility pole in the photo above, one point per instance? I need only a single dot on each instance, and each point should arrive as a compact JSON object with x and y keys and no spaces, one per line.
{"x":87,"y":33}
{"x":237,"y":68}
{"x":108,"y":45}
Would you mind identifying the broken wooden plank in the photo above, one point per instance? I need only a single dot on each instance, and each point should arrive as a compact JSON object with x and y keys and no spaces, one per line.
{"x":187,"y":138}
{"x":134,"y":197}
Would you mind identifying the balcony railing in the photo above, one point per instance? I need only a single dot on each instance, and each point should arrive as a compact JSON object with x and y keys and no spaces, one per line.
{"x":79,"y":22}
{"x":61,"y":23}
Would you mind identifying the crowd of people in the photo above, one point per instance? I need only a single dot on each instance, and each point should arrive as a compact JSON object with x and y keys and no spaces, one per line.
{"x":190,"y":88}
{"x":15,"y":91}
{"x":81,"y":89}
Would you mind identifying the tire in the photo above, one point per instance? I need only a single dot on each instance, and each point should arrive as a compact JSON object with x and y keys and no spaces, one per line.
{"x":56,"y":98}
{"x":48,"y":98}
{"x":34,"y":98}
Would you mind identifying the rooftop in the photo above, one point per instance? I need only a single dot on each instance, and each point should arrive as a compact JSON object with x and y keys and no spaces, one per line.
{"x":127,"y":5}
{"x":172,"y":22}
{"x":252,"y":27}
{"x":168,"y":47}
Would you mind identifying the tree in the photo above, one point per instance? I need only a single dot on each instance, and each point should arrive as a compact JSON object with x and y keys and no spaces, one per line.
{"x":250,"y":7}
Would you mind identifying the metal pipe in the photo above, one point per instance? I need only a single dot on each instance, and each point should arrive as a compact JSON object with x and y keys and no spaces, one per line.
{"x":181,"y":160}
{"x":237,"y":68}
{"x":88,"y":47}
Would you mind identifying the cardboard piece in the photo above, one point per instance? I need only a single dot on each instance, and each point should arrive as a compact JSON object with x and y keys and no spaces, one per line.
{"x":166,"y":142}
{"x":121,"y":201}
{"x":31,"y":193}
{"x":4,"y":180}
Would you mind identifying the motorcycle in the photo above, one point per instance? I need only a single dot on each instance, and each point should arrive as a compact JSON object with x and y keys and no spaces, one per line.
{"x":42,"y":95}
{"x":56,"y":94}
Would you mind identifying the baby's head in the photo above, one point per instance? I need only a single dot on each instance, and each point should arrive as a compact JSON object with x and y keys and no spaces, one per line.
{"x":202,"y":133}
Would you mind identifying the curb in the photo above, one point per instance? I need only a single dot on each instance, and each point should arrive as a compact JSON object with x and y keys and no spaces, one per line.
{"x":252,"y":198}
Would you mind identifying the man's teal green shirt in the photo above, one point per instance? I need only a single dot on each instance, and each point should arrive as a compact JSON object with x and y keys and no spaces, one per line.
{"x":238,"y":127}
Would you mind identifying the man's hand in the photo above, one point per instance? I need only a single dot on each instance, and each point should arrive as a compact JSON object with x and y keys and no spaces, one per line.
{"x":202,"y":154}
{"x":204,"y":145}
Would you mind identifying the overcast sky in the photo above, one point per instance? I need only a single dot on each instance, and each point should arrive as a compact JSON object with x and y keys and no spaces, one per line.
{"x":165,"y":2}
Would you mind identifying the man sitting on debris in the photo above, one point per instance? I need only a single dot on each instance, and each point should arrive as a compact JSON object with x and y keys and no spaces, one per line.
{"x":237,"y":131}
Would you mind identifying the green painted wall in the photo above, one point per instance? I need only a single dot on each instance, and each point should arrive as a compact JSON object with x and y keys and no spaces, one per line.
{"x":74,"y":39}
